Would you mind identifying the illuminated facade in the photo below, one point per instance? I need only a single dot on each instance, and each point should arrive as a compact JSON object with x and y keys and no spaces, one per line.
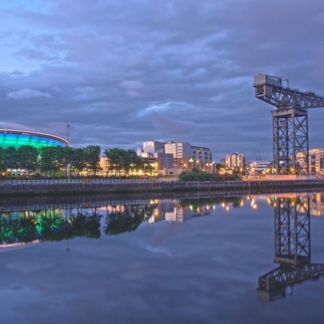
{"x":18,"y":135}
{"x":178,"y":149}
{"x":234,"y":160}
{"x":316,"y":160}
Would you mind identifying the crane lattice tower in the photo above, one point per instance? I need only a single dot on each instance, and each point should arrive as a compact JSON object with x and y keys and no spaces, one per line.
{"x":289,"y":122}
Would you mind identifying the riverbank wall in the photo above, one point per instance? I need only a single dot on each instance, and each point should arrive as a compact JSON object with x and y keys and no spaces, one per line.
{"x":64,"y":187}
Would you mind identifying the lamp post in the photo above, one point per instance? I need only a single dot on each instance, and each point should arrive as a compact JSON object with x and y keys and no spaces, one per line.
{"x":69,"y":164}
{"x":144,"y":170}
{"x":68,"y":134}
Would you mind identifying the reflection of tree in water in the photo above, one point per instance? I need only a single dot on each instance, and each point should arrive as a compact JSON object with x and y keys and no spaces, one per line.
{"x":49,"y":225}
{"x":128,"y":220}
{"x":52,"y":225}
{"x":17,"y":230}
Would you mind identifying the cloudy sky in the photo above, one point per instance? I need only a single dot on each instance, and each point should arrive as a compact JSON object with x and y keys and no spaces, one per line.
{"x":124,"y":71}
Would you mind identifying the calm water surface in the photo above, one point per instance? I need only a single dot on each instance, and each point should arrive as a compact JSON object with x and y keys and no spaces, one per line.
{"x":172,"y":261}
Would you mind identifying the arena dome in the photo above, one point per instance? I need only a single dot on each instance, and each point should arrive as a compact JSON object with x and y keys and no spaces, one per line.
{"x":18,"y":135}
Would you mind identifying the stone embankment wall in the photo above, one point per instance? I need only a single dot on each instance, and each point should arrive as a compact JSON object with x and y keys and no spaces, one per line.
{"x":155,"y":186}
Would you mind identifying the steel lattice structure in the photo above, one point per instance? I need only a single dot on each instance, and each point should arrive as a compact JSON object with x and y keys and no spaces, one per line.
{"x":292,"y":249}
{"x":290,"y":122}
{"x":292,"y":231}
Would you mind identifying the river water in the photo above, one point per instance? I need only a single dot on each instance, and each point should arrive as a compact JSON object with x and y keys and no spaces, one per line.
{"x":195,"y":260}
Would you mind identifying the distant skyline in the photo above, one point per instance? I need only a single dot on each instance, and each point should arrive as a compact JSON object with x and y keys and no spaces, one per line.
{"x":123,"y":72}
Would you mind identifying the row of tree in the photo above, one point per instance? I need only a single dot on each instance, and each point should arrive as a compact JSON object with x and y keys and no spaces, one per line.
{"x":49,"y":158}
{"x":53,"y":158}
{"x":57,"y":228}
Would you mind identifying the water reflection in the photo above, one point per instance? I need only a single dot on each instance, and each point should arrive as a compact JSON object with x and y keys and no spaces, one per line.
{"x":91,"y":220}
{"x":292,"y":217}
{"x":19,"y":226}
{"x":292,"y":246}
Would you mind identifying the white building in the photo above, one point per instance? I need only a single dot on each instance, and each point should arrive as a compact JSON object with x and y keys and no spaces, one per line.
{"x":234,"y":160}
{"x":150,"y":148}
{"x":178,"y":149}
{"x":259,"y":165}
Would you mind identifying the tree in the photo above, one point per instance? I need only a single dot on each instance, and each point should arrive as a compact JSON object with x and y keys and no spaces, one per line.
{"x":68,"y":157}
{"x":92,"y":156}
{"x":80,"y":159}
{"x":122,"y":160}
{"x":2,"y":159}
{"x":51,"y":158}
{"x":115,"y":158}
{"x":10,"y":161}
{"x":27,"y":157}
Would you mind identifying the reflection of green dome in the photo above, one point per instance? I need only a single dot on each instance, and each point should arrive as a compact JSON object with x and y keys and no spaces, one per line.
{"x":18,"y":135}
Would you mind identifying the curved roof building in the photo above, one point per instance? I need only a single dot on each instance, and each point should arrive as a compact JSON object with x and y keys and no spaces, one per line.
{"x":18,"y":135}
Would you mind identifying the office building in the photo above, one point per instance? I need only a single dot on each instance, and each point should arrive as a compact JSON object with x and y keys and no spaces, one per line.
{"x":316,"y":160}
{"x":202,"y":154}
{"x":260,"y":166}
{"x":235,"y":160}
{"x":164,"y":160}
{"x":178,"y":149}
{"x":149,"y":148}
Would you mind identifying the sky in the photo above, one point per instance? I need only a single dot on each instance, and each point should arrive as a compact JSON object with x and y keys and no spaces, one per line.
{"x":121,"y":72}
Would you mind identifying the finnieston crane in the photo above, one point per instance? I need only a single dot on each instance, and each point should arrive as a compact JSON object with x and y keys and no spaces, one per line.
{"x":289,"y":122}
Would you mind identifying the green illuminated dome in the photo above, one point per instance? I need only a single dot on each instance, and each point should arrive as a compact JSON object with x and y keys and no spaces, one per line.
{"x":18,"y":135}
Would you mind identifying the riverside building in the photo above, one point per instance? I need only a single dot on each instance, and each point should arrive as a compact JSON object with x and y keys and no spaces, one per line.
{"x":235,"y":160}
{"x":316,"y":160}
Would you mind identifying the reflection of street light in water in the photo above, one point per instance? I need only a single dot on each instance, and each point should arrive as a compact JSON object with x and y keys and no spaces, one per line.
{"x":253,"y":204}
{"x":69,"y":225}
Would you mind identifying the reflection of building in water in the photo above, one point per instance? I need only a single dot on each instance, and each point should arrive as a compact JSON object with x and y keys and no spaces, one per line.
{"x":179,"y":214}
{"x":317,"y":204}
{"x":173,"y":211}
{"x":316,"y":201}
{"x":163,"y":206}
{"x":203,"y":210}
{"x":292,"y":249}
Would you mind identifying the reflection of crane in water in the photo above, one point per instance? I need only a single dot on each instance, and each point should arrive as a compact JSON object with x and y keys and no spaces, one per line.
{"x":292,"y":250}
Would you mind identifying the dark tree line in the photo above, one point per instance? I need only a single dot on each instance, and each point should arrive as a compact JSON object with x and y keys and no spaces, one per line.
{"x":197,"y":175}
{"x":57,"y":228}
{"x":123,"y":161}
{"x":50,"y":159}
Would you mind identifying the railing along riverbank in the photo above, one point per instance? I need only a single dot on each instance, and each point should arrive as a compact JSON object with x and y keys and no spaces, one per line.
{"x":83,"y":186}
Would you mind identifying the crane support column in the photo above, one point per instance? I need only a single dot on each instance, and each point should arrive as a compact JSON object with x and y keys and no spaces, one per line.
{"x":290,"y":122}
{"x":290,"y":140}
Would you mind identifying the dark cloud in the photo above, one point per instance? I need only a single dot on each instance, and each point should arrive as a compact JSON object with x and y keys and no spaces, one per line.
{"x":104,"y":66}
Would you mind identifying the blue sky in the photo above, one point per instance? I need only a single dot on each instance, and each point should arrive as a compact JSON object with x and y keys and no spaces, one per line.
{"x":122,"y":72}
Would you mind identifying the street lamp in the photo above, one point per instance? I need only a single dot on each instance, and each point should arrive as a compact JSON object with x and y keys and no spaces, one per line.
{"x":68,"y":133}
